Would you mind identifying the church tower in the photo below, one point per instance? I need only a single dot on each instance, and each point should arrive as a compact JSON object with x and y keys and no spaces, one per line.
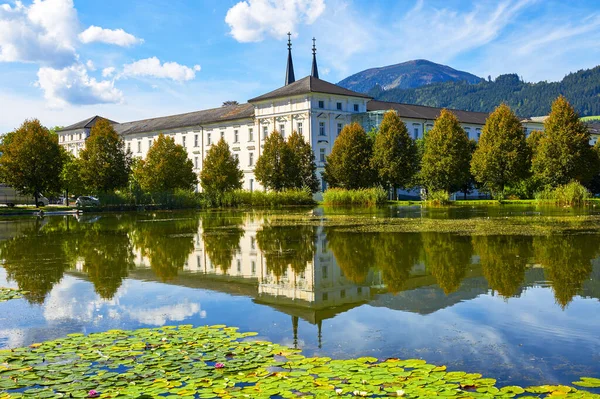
{"x":289,"y":72}
{"x":314,"y":72}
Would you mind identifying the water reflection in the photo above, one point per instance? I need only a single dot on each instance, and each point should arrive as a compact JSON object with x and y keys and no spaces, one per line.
{"x":305,"y":266}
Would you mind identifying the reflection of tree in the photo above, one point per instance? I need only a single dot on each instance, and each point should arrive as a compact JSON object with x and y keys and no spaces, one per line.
{"x":286,"y":246}
{"x":395,"y":255}
{"x":107,"y":258}
{"x":36,"y":260}
{"x":567,"y":262}
{"x":221,"y":233}
{"x":167,"y":245}
{"x":354,"y":253}
{"x":503,"y":259}
{"x":447,"y":257}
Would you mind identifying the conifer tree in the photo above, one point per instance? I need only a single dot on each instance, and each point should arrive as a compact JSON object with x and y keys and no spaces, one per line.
{"x":303,"y":174}
{"x":166,"y":167}
{"x":105,"y":163}
{"x":31,"y":159}
{"x":445,"y":163}
{"x":563,"y":153}
{"x":348,"y":166}
{"x":502,"y":157}
{"x":221,"y":170}
{"x":394,"y":153}
{"x":274,"y":167}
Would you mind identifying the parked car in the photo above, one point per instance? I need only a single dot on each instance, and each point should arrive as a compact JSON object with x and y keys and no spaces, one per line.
{"x":86,"y":200}
{"x":12,"y":197}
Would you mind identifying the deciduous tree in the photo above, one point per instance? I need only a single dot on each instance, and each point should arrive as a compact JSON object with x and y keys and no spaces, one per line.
{"x":105,"y":163}
{"x":274,"y":167}
{"x":395,"y":158}
{"x":447,"y":156}
{"x":349,"y":164}
{"x":221,"y":170}
{"x":502,"y":157}
{"x":166,"y":167}
{"x":31,"y":159}
{"x":304,"y":169}
{"x":563,"y":152}
{"x":70,"y":176}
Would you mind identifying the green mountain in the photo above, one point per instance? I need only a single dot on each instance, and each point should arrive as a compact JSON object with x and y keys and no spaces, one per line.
{"x":406,"y":75}
{"x":581,"y":88}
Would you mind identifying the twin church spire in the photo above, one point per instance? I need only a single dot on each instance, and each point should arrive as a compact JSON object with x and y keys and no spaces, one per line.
{"x":289,"y":72}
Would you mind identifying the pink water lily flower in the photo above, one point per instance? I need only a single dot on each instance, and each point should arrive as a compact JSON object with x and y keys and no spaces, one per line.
{"x":219,"y":365}
{"x":93,"y":394}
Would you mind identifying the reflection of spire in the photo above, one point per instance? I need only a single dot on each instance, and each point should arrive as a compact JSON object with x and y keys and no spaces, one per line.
{"x":319,"y":327}
{"x":289,"y":72}
{"x":295,"y":329}
{"x":314,"y":71}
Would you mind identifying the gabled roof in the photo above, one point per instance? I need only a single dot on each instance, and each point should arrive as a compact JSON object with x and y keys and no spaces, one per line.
{"x":84,"y":124}
{"x":306,"y":85}
{"x":214,"y":115}
{"x":424,"y":112}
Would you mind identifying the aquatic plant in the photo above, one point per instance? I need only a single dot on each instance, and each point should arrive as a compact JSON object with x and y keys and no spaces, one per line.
{"x":219,"y":362}
{"x":6,"y":294}
{"x":363,"y":197}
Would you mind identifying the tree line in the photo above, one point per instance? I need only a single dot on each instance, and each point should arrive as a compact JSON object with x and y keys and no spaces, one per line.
{"x":503,"y":162}
{"x":526,"y":99}
{"x":33,"y":162}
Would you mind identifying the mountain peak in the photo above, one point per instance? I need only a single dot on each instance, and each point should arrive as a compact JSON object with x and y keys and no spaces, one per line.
{"x":405,"y":75}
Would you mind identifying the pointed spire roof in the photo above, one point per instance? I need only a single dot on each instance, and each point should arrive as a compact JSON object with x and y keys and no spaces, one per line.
{"x":289,"y":72}
{"x":314,"y":72}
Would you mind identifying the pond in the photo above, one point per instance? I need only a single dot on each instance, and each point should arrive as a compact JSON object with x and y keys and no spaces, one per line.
{"x":509,"y":292}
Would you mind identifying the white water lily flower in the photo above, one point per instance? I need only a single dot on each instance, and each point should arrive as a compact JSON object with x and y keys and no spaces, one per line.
{"x":399,"y":392}
{"x":339,"y":391}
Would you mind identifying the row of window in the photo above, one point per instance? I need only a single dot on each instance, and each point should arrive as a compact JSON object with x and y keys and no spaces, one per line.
{"x":78,"y":136}
{"x":338,"y":106}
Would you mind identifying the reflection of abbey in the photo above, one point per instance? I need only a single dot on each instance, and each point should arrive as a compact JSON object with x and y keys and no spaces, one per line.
{"x":315,"y":108}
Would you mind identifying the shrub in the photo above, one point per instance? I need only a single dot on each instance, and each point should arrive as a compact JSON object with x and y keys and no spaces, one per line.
{"x":365,"y":196}
{"x":267,"y":199}
{"x":438,"y":197}
{"x":573,"y":193}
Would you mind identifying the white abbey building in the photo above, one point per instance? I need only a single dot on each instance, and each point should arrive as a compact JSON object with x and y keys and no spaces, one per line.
{"x":311,"y":106}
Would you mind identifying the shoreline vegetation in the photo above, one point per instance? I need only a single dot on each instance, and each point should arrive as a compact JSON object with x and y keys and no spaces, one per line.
{"x":366,"y":198}
{"x":220,"y":362}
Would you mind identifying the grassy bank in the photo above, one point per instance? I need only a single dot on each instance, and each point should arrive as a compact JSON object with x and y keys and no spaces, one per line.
{"x":365,"y":197}
{"x":219,"y":362}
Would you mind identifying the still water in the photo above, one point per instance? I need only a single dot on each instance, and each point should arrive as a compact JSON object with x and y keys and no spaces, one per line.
{"x":522,"y":309}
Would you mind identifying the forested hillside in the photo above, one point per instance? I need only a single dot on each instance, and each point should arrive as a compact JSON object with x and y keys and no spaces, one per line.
{"x":581,"y":88}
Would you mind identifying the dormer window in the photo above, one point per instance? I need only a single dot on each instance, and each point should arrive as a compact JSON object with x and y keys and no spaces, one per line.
{"x":321,"y":104}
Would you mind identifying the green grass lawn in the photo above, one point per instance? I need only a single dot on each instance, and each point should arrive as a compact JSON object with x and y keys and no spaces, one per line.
{"x":590,"y":118}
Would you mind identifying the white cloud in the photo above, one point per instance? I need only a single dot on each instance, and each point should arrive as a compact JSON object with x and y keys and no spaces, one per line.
{"x":90,"y":65}
{"x":252,"y":20}
{"x":72,"y":85}
{"x":42,"y":33}
{"x":107,"y":72}
{"x":117,"y":37}
{"x":152,"y":67}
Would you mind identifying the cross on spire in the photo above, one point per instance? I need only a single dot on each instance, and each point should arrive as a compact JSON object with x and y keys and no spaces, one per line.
{"x":289,"y":72}
{"x":315,"y":70}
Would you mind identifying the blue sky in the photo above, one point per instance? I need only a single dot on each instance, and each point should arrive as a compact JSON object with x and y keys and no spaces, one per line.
{"x":65,"y":60}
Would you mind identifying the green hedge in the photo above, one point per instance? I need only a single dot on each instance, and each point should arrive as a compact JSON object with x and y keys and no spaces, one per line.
{"x":366,"y":196}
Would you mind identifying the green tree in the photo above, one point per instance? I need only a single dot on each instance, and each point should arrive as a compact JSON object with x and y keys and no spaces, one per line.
{"x":70,"y":176}
{"x":221,"y":234}
{"x":166,"y":167}
{"x":502,"y":156}
{"x":447,"y":257}
{"x":274,"y":167}
{"x":304,"y":169}
{"x":348,"y":165}
{"x":31,"y":159}
{"x":221,"y":170}
{"x":395,"y":157}
{"x":447,"y":156}
{"x":105,"y":164}
{"x":563,"y":153}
